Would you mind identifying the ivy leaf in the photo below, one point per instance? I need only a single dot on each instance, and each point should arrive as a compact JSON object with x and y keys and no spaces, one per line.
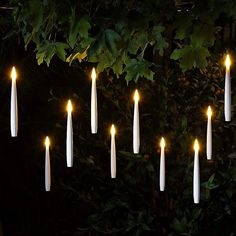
{"x":191,"y":56}
{"x":138,"y":68}
{"x":83,"y":26}
{"x":61,"y":50}
{"x":160,"y":42}
{"x":111,"y":39}
{"x":138,"y":40}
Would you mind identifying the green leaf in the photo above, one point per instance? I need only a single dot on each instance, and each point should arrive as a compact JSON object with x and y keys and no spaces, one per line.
{"x":61,"y":50}
{"x":111,"y":39}
{"x":83,"y":27}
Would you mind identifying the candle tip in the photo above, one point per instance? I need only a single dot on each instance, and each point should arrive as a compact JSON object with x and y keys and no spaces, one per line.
{"x":196,"y":145}
{"x":47,"y":141}
{"x":227,"y":61}
{"x":136,"y":95}
{"x":13,"y":73}
{"x":113,"y":130}
{"x":69,"y":106}
{"x":162,"y":143}
{"x":93,"y":75}
{"x":209,"y":111}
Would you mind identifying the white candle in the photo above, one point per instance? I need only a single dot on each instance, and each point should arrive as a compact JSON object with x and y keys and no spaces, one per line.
{"x":47,"y":165}
{"x":113,"y":152}
{"x":227,"y":90}
{"x":94,"y":111}
{"x":196,"y":174}
{"x":209,"y":134}
{"x":14,"y":107}
{"x":162,"y":165}
{"x":69,"y":136}
{"x":136,"y":130}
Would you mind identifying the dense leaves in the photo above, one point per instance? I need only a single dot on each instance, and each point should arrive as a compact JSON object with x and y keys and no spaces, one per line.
{"x":113,"y":33}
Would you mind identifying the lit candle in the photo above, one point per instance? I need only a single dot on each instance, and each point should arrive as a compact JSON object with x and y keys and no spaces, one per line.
{"x":47,"y":165}
{"x":113,"y":152}
{"x":69,"y":136}
{"x":196,"y":174}
{"x":227,"y":89}
{"x":94,"y":110}
{"x":14,"y":107}
{"x":136,"y":131}
{"x":209,"y":134}
{"x":162,"y":165}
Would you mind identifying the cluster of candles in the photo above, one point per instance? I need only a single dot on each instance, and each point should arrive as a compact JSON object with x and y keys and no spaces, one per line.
{"x":136,"y":132}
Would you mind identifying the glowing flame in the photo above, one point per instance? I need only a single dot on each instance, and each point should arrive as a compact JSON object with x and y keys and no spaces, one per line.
{"x":47,"y":141}
{"x":227,"y":61}
{"x":196,"y":145}
{"x":162,"y":143}
{"x":69,"y":106}
{"x":209,"y":112}
{"x":136,"y":95}
{"x":13,"y":73}
{"x":93,"y":75}
{"x":113,"y":130}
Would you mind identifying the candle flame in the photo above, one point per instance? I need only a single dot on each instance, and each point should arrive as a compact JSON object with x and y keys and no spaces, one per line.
{"x":47,"y":141}
{"x":69,"y":106}
{"x":113,"y":130}
{"x":227,"y":61}
{"x":162,"y":143}
{"x":209,"y":111}
{"x":136,"y":95}
{"x":13,"y":73}
{"x":93,"y":75}
{"x":196,"y":145}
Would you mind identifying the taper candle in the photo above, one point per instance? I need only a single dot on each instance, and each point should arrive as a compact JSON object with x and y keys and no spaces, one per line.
{"x":136,"y":129}
{"x":94,"y":111}
{"x":209,"y":134}
{"x":196,"y":174}
{"x":69,"y":136}
{"x":113,"y":152}
{"x":162,"y":165}
{"x":14,"y":106}
{"x":227,"y":103}
{"x":47,"y":165}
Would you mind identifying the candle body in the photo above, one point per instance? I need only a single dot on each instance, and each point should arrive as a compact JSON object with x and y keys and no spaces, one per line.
{"x":113,"y":156}
{"x":69,"y":141}
{"x":196,"y":178}
{"x":209,"y":139}
{"x":14,"y":110}
{"x":47,"y":170}
{"x":162,"y":169}
{"x":136,"y":130}
{"x":94,"y":112}
{"x":227,"y":104}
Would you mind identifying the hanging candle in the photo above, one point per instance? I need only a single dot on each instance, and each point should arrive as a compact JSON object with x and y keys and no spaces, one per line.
{"x":69,"y":136}
{"x":196,"y":174}
{"x":136,"y":129}
{"x":94,"y":110}
{"x":47,"y":165}
{"x":14,"y":106}
{"x":113,"y":152}
{"x":227,"y":104}
{"x":209,"y":134}
{"x":162,"y":165}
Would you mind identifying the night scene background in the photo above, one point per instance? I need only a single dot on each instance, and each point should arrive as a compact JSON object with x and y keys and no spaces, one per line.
{"x":173,"y":52}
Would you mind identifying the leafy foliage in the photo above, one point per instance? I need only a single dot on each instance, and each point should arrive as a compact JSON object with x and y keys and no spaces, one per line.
{"x":122,"y":36}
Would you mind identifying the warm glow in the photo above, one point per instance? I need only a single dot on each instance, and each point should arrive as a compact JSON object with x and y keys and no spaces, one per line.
{"x":227,"y":62}
{"x":69,"y":106}
{"x":136,"y":95}
{"x":47,"y":142}
{"x":196,"y":145}
{"x":162,"y":143}
{"x":209,"y":112}
{"x":93,"y":75}
{"x":13,"y":73}
{"x":113,"y":130}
